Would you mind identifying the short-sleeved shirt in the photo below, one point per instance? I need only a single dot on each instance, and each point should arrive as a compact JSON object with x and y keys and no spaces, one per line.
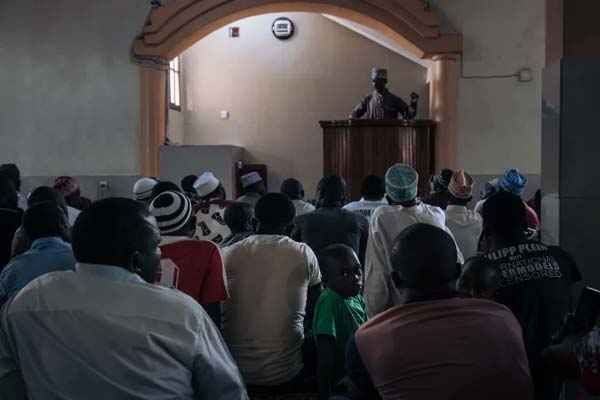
{"x":450,"y":348}
{"x":194,"y":267}
{"x":365,"y":207}
{"x":332,"y":225}
{"x":210,"y":222}
{"x":536,"y":285}
{"x":340,"y":318}
{"x":268,"y":278}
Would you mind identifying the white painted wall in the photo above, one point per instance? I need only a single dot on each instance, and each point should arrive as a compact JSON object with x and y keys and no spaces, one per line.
{"x":70,"y":93}
{"x":277,"y":91}
{"x":499,"y":120}
{"x":69,"y":102}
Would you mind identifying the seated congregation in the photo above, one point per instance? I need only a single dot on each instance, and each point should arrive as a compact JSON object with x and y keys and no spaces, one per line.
{"x":180,"y":293}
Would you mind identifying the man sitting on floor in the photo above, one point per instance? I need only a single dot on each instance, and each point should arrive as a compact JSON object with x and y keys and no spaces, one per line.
{"x":211,"y":208}
{"x":293,"y":189}
{"x":465,"y":225}
{"x":193,"y":266}
{"x":536,"y":282}
{"x":10,"y":215}
{"x":239,"y":218}
{"x":106,"y":331}
{"x":373,"y":192}
{"x":387,"y":222}
{"x":437,"y":345}
{"x":253,"y":186}
{"x":330,"y":223}
{"x":274,"y":282}
{"x":43,"y":194}
{"x":45,"y":224}
{"x":142,"y":190}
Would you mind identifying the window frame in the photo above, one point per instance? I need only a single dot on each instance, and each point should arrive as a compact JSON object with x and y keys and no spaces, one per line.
{"x":174,"y":74}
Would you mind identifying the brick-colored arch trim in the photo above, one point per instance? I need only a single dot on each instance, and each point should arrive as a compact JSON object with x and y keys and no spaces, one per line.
{"x":179,"y":24}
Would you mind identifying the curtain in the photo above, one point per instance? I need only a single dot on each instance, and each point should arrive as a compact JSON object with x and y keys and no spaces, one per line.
{"x":153,"y":104}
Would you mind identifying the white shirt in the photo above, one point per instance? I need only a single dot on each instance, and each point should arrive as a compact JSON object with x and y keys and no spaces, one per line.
{"x":466,"y":226}
{"x":268,"y":278}
{"x":365,"y":207}
{"x":101,"y":332}
{"x":386,"y":223}
{"x":302,"y":207}
{"x":72,"y":214}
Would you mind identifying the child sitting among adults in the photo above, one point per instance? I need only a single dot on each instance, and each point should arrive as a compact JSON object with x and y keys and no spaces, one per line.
{"x":339,"y":312}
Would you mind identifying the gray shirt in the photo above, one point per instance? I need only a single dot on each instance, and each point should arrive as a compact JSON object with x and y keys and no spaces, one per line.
{"x":333,"y":225}
{"x":101,"y":332}
{"x":250,"y":198}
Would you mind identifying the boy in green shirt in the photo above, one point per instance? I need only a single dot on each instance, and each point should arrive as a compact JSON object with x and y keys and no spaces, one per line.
{"x":338,"y":313}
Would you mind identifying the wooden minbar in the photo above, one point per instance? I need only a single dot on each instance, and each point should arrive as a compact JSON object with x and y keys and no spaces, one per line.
{"x":354,"y":149}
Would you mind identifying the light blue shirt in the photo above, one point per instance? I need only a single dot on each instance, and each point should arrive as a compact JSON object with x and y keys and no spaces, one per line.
{"x":101,"y":332}
{"x":47,"y":254}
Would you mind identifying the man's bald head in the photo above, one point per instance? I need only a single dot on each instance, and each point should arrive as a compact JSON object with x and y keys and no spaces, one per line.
{"x":424,"y":258}
{"x":118,"y":232}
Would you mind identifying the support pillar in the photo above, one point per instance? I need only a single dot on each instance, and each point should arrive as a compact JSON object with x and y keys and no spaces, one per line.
{"x":443,"y":97}
{"x":153,"y":104}
{"x":570,"y":139}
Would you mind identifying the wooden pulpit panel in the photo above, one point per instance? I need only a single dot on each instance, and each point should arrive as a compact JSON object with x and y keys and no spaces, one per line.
{"x":355,"y":149}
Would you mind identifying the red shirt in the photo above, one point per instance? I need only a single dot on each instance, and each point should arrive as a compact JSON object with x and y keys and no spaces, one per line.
{"x":194,"y":267}
{"x":531,"y":218}
{"x":452,"y":348}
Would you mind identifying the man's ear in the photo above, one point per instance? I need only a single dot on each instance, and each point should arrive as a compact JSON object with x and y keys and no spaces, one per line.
{"x":397,"y":280}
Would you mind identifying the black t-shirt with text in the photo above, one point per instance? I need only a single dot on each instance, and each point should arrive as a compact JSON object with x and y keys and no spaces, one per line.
{"x":535,"y":284}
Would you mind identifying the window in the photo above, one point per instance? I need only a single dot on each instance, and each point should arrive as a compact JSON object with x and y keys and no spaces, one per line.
{"x":175,"y":84}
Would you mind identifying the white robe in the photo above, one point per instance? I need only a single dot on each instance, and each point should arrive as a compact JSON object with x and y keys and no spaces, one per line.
{"x":466,"y":226}
{"x":386,"y":223}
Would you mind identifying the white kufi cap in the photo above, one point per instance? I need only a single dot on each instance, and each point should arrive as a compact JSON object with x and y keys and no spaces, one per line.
{"x":206,"y":184}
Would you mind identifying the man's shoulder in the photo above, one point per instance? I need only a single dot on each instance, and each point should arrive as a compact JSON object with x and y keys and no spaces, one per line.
{"x":432,"y":209}
{"x":188,"y":244}
{"x":415,"y":313}
{"x":70,"y":287}
{"x":358,"y":218}
{"x":329,"y":297}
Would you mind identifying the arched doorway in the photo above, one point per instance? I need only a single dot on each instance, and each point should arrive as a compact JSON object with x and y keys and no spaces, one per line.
{"x":179,"y":24}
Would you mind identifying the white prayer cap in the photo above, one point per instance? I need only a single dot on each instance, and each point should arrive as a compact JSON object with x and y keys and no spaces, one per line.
{"x":379,"y":73}
{"x":250,"y":179}
{"x":206,"y":184}
{"x":142,"y":189}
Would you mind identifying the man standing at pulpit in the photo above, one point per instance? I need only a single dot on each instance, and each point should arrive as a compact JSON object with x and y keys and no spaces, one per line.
{"x":381,"y":104}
